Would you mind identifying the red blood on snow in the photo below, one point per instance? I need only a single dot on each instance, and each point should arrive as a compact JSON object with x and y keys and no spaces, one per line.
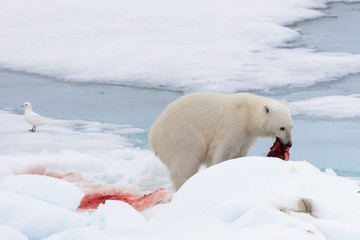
{"x":138,"y":201}
{"x":98,"y":192}
{"x":279,"y":150}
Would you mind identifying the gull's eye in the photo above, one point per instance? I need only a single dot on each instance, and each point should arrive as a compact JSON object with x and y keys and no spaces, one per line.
{"x":282,"y":129}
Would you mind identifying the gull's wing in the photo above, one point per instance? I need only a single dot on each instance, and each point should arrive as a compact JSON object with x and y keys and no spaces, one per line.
{"x":36,"y":120}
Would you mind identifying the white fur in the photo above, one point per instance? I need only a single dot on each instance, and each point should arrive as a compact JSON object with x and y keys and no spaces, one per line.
{"x":208,"y":128}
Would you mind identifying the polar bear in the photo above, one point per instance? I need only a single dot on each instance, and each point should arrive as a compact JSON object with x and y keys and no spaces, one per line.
{"x":208,"y":128}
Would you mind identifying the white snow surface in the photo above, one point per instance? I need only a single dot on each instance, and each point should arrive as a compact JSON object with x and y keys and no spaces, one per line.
{"x":47,"y":189}
{"x":336,"y":107}
{"x":97,"y":150}
{"x":248,"y":198}
{"x":202,"y":45}
{"x":257,"y":198}
{"x":10,"y":233}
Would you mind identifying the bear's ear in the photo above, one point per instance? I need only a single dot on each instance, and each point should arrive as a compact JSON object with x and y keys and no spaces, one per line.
{"x":284,"y":102}
{"x":266,"y":109}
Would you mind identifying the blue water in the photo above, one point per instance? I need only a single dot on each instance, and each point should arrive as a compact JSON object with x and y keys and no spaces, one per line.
{"x":325,"y":143}
{"x":92,"y":102}
{"x":338,"y":32}
{"x":339,"y":148}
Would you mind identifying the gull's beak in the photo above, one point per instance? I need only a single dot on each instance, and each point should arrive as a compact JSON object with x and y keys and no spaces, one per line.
{"x":22,"y":105}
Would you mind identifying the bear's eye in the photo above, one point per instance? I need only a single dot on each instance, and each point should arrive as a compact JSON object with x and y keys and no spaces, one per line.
{"x":282,"y":129}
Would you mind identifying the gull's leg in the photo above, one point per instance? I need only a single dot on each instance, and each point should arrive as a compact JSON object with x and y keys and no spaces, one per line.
{"x":33,"y":129}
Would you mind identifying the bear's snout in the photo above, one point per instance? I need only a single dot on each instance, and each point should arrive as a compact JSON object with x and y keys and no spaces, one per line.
{"x":286,"y":143}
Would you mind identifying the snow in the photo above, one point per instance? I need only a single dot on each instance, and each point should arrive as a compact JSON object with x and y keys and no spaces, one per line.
{"x":120,"y":218}
{"x":274,"y":181}
{"x":252,"y":198}
{"x":329,"y":106}
{"x":48,"y":189}
{"x":98,"y":150}
{"x":10,"y":233}
{"x":36,"y":218}
{"x":179,"y":45}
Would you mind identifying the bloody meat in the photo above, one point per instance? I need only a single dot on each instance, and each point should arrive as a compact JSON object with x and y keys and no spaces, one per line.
{"x":279,"y":150}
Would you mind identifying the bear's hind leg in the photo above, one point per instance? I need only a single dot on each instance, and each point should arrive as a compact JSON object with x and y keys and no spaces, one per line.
{"x":183,"y":170}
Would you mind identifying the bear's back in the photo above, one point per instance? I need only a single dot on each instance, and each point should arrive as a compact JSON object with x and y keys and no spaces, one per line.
{"x":198,"y":108}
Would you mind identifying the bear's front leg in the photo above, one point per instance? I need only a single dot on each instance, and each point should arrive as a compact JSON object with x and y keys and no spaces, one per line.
{"x":225,"y":151}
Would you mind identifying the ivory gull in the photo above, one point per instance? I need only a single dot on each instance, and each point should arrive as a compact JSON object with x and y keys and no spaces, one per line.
{"x":33,"y":118}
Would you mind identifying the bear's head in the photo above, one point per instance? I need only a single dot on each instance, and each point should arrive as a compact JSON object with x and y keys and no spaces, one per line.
{"x":278,"y":122}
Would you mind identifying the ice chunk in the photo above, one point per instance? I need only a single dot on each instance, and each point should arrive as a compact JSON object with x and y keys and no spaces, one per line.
{"x":337,"y":107}
{"x":10,"y":233}
{"x":48,"y":189}
{"x":287,"y":186}
{"x":35,"y":218}
{"x":334,"y":230}
{"x":119,"y":217}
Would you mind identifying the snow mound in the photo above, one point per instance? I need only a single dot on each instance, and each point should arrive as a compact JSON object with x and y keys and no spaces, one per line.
{"x":48,"y":189}
{"x":257,"y":191}
{"x":10,"y":233}
{"x":35,"y":218}
{"x":38,"y":206}
{"x":119,"y":217}
{"x":247,"y":198}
